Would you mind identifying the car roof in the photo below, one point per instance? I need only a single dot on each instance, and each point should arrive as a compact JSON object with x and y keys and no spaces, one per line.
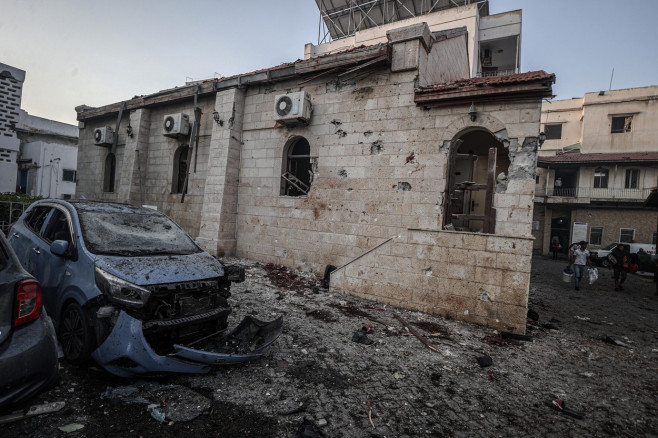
{"x":106,"y":207}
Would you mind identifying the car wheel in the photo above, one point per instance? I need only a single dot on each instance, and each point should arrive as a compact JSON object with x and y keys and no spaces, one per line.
{"x":75,"y":335}
{"x":605,"y":263}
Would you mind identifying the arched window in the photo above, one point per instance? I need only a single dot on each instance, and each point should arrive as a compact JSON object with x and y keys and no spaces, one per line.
{"x":298,"y":173}
{"x":600,"y":178}
{"x":180,"y":170}
{"x":110,"y":172}
{"x":475,"y":160}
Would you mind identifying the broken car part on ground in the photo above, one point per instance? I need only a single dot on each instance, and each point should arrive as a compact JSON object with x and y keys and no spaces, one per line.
{"x":129,"y":288}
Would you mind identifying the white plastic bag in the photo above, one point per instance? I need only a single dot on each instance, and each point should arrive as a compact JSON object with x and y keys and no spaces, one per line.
{"x":593,"y":275}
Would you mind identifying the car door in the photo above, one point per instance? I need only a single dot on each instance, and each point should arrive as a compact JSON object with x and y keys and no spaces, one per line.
{"x":25,"y":235}
{"x":51,"y":269}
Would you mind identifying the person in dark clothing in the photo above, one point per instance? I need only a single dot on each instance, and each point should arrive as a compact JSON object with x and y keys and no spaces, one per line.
{"x":555,"y":247}
{"x":618,"y":258}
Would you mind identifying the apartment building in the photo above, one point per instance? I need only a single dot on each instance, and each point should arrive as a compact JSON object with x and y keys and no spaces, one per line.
{"x":596,"y":168}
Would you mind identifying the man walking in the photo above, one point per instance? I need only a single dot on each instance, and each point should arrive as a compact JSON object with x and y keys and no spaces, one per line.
{"x":579,"y":259}
{"x":618,"y":258}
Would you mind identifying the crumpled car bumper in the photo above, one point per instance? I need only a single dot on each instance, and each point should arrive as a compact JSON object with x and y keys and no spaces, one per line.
{"x":126,"y":351}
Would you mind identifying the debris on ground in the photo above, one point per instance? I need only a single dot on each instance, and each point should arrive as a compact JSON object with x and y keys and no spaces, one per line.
{"x":46,"y":408}
{"x":614,"y":341}
{"x":498,"y":340}
{"x":361,"y":336}
{"x":560,"y":405}
{"x":434,"y":328}
{"x":284,"y":278}
{"x":323,"y":315}
{"x":301,"y":407}
{"x":515,"y":336}
{"x":414,"y":332}
{"x":72,"y":427}
{"x":308,"y":429}
{"x":484,"y":361}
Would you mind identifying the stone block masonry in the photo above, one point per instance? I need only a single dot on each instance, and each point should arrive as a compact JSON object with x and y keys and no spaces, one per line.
{"x":473,"y":277}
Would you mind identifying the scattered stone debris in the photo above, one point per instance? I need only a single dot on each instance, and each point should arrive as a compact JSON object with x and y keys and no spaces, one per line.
{"x":560,"y":405}
{"x":433,"y":328}
{"x":497,"y":340}
{"x":323,"y":315}
{"x":484,"y":361}
{"x":21,"y":414}
{"x":616,"y":342}
{"x":72,"y":427}
{"x":508,"y":335}
{"x":282,"y":277}
{"x":308,"y":429}
{"x":300,"y":408}
{"x":361,"y":337}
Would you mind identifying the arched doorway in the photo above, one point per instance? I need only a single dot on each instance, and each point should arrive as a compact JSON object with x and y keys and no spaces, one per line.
{"x":476,"y":157}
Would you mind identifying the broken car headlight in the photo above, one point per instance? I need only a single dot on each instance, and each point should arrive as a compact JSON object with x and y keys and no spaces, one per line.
{"x":121,"y":291}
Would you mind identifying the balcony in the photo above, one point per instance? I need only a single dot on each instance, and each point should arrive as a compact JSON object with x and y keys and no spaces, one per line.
{"x":587,"y":194}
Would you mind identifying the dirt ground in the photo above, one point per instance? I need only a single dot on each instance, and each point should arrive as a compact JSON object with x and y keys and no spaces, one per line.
{"x":395,"y":387}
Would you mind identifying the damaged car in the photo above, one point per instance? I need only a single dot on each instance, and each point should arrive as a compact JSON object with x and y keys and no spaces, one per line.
{"x":129,"y":288}
{"x":28,"y":349}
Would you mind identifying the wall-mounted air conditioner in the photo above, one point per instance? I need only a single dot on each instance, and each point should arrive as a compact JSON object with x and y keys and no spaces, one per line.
{"x":175,"y":125}
{"x":293,"y":108}
{"x":103,"y":136}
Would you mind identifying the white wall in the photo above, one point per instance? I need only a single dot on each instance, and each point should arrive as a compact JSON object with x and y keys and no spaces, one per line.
{"x":49,"y":161}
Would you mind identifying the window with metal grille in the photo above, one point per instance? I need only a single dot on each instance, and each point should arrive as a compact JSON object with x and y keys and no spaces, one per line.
{"x":298,"y":175}
{"x":595,"y":235}
{"x":553,"y":131}
{"x":632,"y":179}
{"x":601,"y":178}
{"x":69,"y":175}
{"x":180,"y":170}
{"x":626,"y":235}
{"x":621,"y":124}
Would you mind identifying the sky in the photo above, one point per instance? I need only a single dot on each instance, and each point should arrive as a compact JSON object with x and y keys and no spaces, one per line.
{"x":95,"y":52}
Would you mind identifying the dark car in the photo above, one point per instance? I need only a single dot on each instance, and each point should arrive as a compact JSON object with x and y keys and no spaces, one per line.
{"x":28,"y":348}
{"x":129,"y":288}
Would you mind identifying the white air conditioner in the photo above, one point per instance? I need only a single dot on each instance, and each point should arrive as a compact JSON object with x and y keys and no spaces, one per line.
{"x":175,"y":125}
{"x":293,"y":108}
{"x":103,"y":136}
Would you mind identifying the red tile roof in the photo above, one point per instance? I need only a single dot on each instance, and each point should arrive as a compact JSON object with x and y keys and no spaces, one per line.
{"x":577,"y":157}
{"x":492,"y":81}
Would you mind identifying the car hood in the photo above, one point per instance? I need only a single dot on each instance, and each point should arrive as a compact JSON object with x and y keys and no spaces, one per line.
{"x":151,"y":270}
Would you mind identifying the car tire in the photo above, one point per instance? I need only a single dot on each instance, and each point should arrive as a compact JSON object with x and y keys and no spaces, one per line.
{"x":605,"y":263}
{"x":75,"y":335}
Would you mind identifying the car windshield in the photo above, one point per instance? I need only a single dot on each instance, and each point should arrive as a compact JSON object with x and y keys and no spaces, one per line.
{"x":131,"y":233}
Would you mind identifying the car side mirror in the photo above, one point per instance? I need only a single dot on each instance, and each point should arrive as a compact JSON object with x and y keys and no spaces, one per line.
{"x":60,"y":248}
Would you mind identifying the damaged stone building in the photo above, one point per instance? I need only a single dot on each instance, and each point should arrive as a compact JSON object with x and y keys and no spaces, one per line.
{"x":403,"y":153}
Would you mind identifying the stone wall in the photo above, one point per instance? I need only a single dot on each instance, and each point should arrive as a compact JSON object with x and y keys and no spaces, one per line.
{"x":474,"y":277}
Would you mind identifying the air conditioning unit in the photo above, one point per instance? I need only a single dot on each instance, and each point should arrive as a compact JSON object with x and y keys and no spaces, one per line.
{"x":103,"y":136}
{"x":293,"y":108}
{"x":175,"y":125}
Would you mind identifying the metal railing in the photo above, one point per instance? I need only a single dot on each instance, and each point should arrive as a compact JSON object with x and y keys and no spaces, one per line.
{"x":594,"y":193}
{"x":10,"y":211}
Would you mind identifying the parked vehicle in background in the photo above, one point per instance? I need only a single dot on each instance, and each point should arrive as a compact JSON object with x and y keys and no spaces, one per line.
{"x":600,"y":256}
{"x":129,"y":288}
{"x":28,"y":348}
